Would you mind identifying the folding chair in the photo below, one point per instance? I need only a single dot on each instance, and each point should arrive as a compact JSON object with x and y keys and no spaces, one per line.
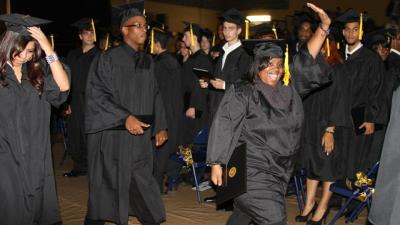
{"x":360,"y":190}
{"x":194,"y":157}
{"x":299,"y":179}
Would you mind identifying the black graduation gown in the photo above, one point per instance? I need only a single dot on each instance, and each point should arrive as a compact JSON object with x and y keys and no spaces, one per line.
{"x":168,"y":73}
{"x":27,"y":187}
{"x":236,"y":65}
{"x":323,"y":108}
{"x":386,"y":199}
{"x":365,"y":72}
{"x":79,"y":64}
{"x":194,"y":95}
{"x":271,"y":133}
{"x":121,"y":82}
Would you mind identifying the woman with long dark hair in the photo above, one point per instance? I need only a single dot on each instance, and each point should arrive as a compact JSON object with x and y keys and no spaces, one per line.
{"x":28,"y":87}
{"x":267,"y":115}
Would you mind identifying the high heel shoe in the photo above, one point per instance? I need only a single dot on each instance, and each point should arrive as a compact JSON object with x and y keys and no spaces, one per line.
{"x":300,"y":218}
{"x":322,"y":220}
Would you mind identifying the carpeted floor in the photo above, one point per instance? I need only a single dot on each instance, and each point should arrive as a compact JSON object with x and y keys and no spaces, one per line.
{"x":182,"y":207}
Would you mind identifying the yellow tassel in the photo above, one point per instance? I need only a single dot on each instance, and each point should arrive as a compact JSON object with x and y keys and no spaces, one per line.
{"x":338,"y":45}
{"x":246,"y":36}
{"x":274,"y":30}
{"x":52,"y":41}
{"x":286,"y":76}
{"x":213,"y":40}
{"x":107,"y":41}
{"x":360,"y":33}
{"x":152,"y":42}
{"x":328,"y":49}
{"x":191,"y":36}
{"x":94,"y":31}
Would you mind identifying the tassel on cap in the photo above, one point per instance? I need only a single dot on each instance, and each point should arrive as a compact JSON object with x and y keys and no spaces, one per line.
{"x":107,"y":41}
{"x":247,"y":30}
{"x":338,"y":45}
{"x":213,"y":40}
{"x":360,"y":33}
{"x":274,"y":30}
{"x":328,"y":48}
{"x":152,"y":41}
{"x":286,"y":76}
{"x":94,"y":31}
{"x":52,"y":41}
{"x":191,"y":36}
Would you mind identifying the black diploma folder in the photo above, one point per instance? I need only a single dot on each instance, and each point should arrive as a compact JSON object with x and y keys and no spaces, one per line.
{"x":234,"y":176}
{"x":358,"y":116}
{"x":203,"y":74}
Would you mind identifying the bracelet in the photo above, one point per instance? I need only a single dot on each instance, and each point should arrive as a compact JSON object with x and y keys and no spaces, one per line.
{"x":51,"y":58}
{"x":326,"y":31}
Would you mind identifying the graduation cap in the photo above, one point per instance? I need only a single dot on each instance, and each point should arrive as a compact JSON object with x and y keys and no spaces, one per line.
{"x":264,"y":29}
{"x":270,"y":48}
{"x":351,"y":15}
{"x":303,"y":16}
{"x":194,"y":29}
{"x":233,"y":16}
{"x":19,"y":22}
{"x":380,"y":36}
{"x":158,"y":35}
{"x":86,"y":24}
{"x":126,"y":11}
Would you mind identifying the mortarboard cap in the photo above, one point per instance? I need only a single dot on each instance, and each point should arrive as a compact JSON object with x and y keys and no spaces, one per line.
{"x":265,"y":29}
{"x":350,"y":15}
{"x":19,"y":22}
{"x":260,"y":48}
{"x":208,"y":33}
{"x":301,"y":16}
{"x":162,"y":36}
{"x":233,"y":16}
{"x":126,"y":11}
{"x":84,"y":24}
{"x":381,"y":36}
{"x":197,"y":30}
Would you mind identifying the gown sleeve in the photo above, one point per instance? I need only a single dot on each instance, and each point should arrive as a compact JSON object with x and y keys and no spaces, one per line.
{"x":51,"y":91}
{"x":309,"y":73}
{"x":375,"y":111}
{"x":102,"y":108}
{"x":226,"y":127}
{"x":160,"y":121}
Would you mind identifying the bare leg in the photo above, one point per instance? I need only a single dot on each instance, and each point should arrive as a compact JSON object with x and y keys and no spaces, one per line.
{"x":312,"y":186}
{"x":323,"y":204}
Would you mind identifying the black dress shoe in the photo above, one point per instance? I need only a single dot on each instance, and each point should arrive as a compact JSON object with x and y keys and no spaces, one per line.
{"x":211,"y":199}
{"x":74,"y":173}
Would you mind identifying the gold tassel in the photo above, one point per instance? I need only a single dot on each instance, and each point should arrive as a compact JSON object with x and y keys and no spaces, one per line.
{"x":191,"y":36}
{"x":52,"y":41}
{"x":338,"y":45}
{"x":213,"y":40}
{"x":246,"y":36}
{"x":274,"y":30}
{"x":286,"y":76}
{"x":94,"y":31}
{"x":152,"y":41}
{"x":107,"y":41}
{"x":360,"y":33}
{"x":328,"y":48}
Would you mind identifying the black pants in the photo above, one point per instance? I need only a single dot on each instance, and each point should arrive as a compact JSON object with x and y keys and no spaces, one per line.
{"x":238,"y":218}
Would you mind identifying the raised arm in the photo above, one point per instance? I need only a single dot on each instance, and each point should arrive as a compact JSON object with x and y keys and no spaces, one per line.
{"x":315,"y":43}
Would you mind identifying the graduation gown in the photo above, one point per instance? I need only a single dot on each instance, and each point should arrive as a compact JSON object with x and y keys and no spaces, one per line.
{"x":236,"y":65}
{"x":168,"y":73}
{"x":79,"y":63}
{"x":121,"y":82}
{"x":386,"y":199}
{"x":269,"y":122}
{"x":365,"y":73}
{"x":323,"y":108}
{"x":194,"y":95}
{"x":27,"y":187}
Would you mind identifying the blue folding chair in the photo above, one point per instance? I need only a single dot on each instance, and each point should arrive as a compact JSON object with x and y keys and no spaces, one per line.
{"x":360,"y":190}
{"x":194,"y":156}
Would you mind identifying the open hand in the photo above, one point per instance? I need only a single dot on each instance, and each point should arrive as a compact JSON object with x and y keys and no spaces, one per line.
{"x":328,"y":142}
{"x":41,"y":38}
{"x":135,"y":126}
{"x":325,"y":20}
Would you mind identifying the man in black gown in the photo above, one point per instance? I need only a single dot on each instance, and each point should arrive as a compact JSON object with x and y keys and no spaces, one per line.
{"x":365,"y":74}
{"x":79,"y":61}
{"x":124,"y":111}
{"x":168,"y":73}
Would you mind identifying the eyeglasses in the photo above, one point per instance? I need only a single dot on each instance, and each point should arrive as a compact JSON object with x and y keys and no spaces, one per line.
{"x":139,"y":26}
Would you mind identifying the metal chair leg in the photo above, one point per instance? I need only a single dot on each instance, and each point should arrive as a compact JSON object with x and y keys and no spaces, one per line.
{"x":197,"y":183}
